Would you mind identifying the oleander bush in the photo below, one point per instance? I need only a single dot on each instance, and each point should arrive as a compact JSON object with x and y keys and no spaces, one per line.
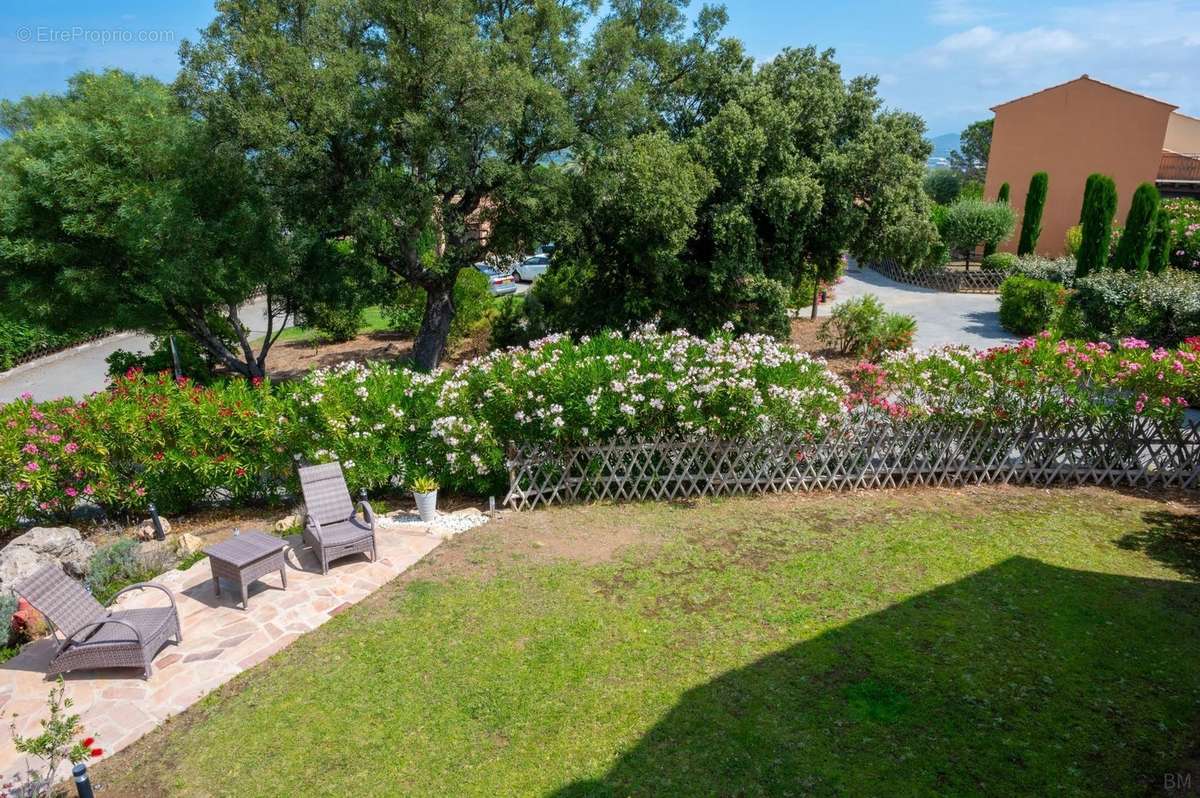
{"x":1028,"y":305}
{"x":180,"y":444}
{"x":1043,"y":376}
{"x":1184,"y":215}
{"x":19,"y":338}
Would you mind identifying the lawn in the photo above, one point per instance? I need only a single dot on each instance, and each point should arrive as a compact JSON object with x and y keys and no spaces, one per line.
{"x":990,"y":640}
{"x":373,"y":321}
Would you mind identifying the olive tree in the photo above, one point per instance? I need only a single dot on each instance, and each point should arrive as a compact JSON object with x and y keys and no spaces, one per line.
{"x":971,"y":222}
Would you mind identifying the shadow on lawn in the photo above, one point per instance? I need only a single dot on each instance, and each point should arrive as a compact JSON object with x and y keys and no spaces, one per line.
{"x":1171,"y":538}
{"x":1023,"y":678}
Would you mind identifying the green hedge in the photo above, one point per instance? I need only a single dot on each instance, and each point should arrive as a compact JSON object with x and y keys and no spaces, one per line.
{"x":1027,"y":305}
{"x":1163,"y":309}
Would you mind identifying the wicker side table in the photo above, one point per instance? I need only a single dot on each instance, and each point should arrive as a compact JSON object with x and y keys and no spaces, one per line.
{"x":244,"y":558}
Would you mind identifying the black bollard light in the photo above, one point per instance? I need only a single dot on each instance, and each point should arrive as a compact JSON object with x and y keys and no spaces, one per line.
{"x":83,"y":785}
{"x":159,"y":534}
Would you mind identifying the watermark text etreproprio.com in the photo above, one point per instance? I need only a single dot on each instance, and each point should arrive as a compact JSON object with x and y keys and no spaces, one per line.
{"x":47,"y":34}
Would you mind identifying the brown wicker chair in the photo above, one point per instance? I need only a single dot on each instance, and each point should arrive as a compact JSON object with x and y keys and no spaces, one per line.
{"x":93,"y":636}
{"x":331,"y":523}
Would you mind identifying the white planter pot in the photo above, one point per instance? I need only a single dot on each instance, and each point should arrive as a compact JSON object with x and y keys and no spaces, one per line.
{"x":426,"y":505}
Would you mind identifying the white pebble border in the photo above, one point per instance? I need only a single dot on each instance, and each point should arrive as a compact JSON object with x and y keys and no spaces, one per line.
{"x":444,"y":526}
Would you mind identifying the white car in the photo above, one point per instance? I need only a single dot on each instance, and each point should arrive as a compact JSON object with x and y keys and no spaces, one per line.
{"x":532,"y":268}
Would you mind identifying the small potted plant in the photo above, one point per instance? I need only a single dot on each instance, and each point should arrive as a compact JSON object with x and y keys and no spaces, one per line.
{"x":425,"y":490}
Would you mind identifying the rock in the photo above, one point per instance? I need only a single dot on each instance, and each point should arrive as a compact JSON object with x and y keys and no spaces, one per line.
{"x":187,"y":543}
{"x":468,"y":512}
{"x":288,"y":523}
{"x":157,"y":555}
{"x":145,"y":530}
{"x":39,"y":546}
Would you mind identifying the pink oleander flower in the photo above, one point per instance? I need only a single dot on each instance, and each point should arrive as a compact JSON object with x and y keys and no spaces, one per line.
{"x":32,"y":466}
{"x":88,"y":490}
{"x":22,"y":486}
{"x":71,"y":492}
{"x":71,"y":448}
{"x":1134,"y":343}
{"x":27,"y":396}
{"x":30,"y":448}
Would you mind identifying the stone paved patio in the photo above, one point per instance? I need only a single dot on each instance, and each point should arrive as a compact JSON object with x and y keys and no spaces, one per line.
{"x":220,"y":640}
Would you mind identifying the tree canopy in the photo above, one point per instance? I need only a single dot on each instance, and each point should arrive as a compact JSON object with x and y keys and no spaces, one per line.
{"x":115,"y":205}
{"x":971,"y":158}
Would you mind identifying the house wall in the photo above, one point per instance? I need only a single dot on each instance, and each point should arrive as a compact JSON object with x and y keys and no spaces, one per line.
{"x":1071,"y":131}
{"x":1183,"y":134}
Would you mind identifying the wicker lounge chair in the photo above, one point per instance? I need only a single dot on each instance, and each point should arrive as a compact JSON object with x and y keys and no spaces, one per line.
{"x":94,"y":636}
{"x":331,"y":523}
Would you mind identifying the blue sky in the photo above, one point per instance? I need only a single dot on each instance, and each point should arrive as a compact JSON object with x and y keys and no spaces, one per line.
{"x":948,"y":60}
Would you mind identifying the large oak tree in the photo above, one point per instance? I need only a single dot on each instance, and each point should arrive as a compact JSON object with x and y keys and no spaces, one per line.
{"x":380,"y":121}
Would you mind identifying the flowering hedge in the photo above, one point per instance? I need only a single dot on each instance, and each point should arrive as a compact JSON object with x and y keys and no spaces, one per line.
{"x":180,"y":444}
{"x":1041,"y":376}
{"x":1185,"y":232}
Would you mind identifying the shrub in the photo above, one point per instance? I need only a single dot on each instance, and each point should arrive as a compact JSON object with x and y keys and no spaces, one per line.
{"x":1133,"y":250}
{"x":1162,"y":309}
{"x":335,"y":323}
{"x":1073,"y":240}
{"x":1160,"y":245}
{"x":938,"y":257}
{"x":114,"y":567}
{"x":1056,"y":270}
{"x":863,"y":328}
{"x":943,"y":185}
{"x":1031,"y":221}
{"x":1028,"y":306}
{"x":21,"y":338}
{"x":1185,"y":232}
{"x":999,"y":262}
{"x":193,"y":360}
{"x":972,"y":222}
{"x":1042,"y":376}
{"x":1099,"y":206}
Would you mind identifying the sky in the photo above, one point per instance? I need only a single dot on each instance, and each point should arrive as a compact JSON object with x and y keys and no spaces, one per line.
{"x":947,"y":60}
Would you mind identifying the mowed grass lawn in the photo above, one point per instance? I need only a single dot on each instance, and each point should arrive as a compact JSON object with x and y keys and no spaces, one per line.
{"x":1002,"y":641}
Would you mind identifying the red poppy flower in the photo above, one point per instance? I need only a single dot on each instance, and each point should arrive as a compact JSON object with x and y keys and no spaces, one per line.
{"x":97,"y":752}
{"x":87,"y":742}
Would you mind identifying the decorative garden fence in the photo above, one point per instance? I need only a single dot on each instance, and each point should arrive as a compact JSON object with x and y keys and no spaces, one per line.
{"x":976,"y":282}
{"x":1136,"y":453}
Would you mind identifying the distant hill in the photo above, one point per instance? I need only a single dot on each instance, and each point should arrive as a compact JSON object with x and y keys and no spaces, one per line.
{"x":942,"y":145}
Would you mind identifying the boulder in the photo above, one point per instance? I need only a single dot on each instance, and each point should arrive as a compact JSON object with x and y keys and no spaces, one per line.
{"x":187,"y":543}
{"x":288,"y":523}
{"x":39,"y":546}
{"x":145,"y":530}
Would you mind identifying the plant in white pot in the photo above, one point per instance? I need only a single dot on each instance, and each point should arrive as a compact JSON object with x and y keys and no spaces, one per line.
{"x":424,"y":490}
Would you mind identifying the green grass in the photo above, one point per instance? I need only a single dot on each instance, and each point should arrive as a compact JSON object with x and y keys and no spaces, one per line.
{"x":985,"y":641}
{"x":373,"y":321}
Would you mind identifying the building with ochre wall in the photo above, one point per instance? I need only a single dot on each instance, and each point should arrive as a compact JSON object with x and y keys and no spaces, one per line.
{"x":1084,"y":126}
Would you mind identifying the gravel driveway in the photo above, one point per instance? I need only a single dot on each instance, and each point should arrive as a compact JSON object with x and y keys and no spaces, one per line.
{"x":942,"y":318}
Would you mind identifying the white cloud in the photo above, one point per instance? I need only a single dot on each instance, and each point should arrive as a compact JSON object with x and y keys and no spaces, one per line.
{"x":987,"y":56}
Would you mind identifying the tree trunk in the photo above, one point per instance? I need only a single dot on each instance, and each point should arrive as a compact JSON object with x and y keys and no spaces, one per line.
{"x":430,"y":345}
{"x":816,"y":298}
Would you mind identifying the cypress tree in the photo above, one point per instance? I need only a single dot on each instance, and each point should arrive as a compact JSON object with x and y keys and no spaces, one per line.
{"x":1001,"y":196}
{"x":1087,"y":192}
{"x":1035,"y":203}
{"x":1099,"y":207}
{"x":1160,"y":245}
{"x":1133,"y":250}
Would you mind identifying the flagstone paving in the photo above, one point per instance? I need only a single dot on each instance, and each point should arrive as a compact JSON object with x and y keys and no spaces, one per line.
{"x":220,"y":640}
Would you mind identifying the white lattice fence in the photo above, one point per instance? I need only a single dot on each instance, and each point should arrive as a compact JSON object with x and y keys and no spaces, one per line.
{"x":1137,"y":452}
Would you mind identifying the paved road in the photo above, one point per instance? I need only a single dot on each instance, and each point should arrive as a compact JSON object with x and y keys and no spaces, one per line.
{"x":942,"y":318}
{"x":80,"y":371}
